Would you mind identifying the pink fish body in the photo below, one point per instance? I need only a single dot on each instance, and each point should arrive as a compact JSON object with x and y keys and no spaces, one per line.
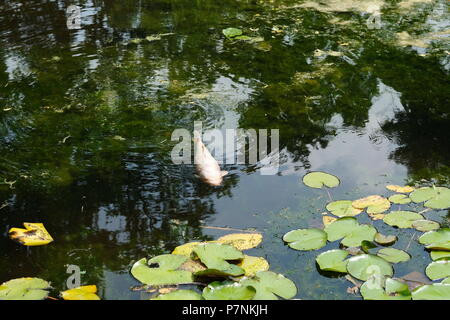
{"x":207,"y":167}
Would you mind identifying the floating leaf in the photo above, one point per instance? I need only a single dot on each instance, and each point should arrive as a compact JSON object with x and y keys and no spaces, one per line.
{"x":374,"y":204}
{"x":446,"y":281}
{"x":400,"y":199}
{"x":269,"y":285}
{"x":162,"y":270}
{"x":363,"y":266}
{"x":415,"y":279}
{"x":179,"y":295}
{"x":437,"y":255}
{"x":425,"y":225}
{"x":373,"y":289}
{"x":215,"y":256}
{"x":366,"y":246}
{"x":242,"y":241}
{"x":252,"y":265}
{"x":343,"y":208}
{"x":24,"y":289}
{"x":400,"y":189}
{"x":385,"y":240}
{"x":34,"y":234}
{"x":319,"y":179}
{"x":352,"y":232}
{"x":306,"y":239}
{"x":402,"y":219}
{"x":232,"y":32}
{"x":437,"y":240}
{"x":81,"y":293}
{"x":434,"y":197}
{"x":393,"y":255}
{"x":327,"y":220}
{"x":186,"y":249}
{"x":438,"y":270}
{"x":228,"y":291}
{"x":435,"y":291}
{"x":333,"y":260}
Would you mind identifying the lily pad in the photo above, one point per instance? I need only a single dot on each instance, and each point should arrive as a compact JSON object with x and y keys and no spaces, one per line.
{"x":326,"y":220}
{"x":319,"y":179}
{"x":34,"y":234}
{"x":373,"y":289}
{"x":438,"y":270}
{"x":434,"y":197}
{"x":352,"y":232}
{"x":81,"y":293}
{"x":333,"y":260}
{"x":343,"y":208}
{"x":231,"y":32}
{"x":162,"y":270}
{"x":270,"y":285}
{"x":215,"y":256}
{"x":228,"y":291}
{"x":446,"y":281}
{"x":438,"y":255}
{"x":179,"y":295}
{"x":24,"y":289}
{"x":186,"y":249}
{"x":402,"y":219}
{"x":436,"y":240}
{"x":400,"y":199}
{"x":393,"y":255}
{"x":306,"y":239}
{"x":252,"y":265}
{"x":242,"y":241}
{"x":363,"y":266}
{"x":374,"y":204}
{"x":385,"y":240}
{"x":435,"y":291}
{"x":425,"y":225}
{"x":400,"y":189}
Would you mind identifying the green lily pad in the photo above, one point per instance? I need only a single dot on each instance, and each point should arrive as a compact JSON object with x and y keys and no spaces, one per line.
{"x":270,"y":285}
{"x":400,"y":199}
{"x":436,"y":240}
{"x":393,"y":255}
{"x":306,"y":239}
{"x":333,"y":260}
{"x":232,"y":32}
{"x":385,"y":240}
{"x":215,"y":256}
{"x":228,"y":291}
{"x":438,"y":270}
{"x":162,"y":270}
{"x":343,"y":208}
{"x":24,"y":289}
{"x":319,"y":179}
{"x":179,"y":295}
{"x":402,"y":219}
{"x":435,"y":291}
{"x":434,"y":197}
{"x":352,"y":232}
{"x":425,"y":225}
{"x":363,"y":266}
{"x":438,"y":255}
{"x":446,"y":281}
{"x":393,"y":289}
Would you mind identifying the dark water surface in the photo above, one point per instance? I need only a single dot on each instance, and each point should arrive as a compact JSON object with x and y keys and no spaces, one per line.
{"x":86,"y":118}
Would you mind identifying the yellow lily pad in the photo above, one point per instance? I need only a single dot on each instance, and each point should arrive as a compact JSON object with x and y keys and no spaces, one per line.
{"x":328,"y":220}
{"x":81,"y":293}
{"x":252,"y":265}
{"x":374,"y":204}
{"x":34,"y":234}
{"x":186,"y":249}
{"x":400,"y":189}
{"x":242,"y":241}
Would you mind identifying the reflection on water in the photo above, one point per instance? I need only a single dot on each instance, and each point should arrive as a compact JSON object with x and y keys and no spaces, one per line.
{"x":86,"y":118}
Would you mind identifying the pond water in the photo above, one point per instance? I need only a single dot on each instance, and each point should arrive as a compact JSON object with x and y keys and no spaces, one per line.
{"x":86,"y":118}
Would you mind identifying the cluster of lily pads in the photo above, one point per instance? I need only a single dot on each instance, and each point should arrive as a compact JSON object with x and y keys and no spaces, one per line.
{"x":220,"y":266}
{"x":368,"y":262}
